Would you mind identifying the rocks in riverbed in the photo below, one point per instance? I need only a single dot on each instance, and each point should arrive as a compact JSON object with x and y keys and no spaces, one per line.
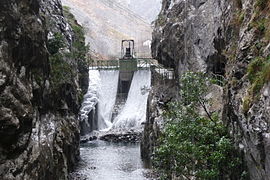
{"x":86,"y":139}
{"x":78,"y":176}
{"x":116,"y":136}
{"x":131,"y":137}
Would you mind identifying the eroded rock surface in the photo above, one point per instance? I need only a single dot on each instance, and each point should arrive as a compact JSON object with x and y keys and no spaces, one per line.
{"x":189,"y":35}
{"x":38,"y":124}
{"x":224,"y":38}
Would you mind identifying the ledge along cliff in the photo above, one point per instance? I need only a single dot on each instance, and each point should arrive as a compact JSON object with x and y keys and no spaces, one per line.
{"x":229,"y":39}
{"x":41,"y":81}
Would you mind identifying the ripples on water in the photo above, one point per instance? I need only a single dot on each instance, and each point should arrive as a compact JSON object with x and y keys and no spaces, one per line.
{"x":109,"y":161}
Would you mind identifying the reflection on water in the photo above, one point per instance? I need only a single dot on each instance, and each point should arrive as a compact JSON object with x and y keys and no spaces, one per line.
{"x":109,"y":161}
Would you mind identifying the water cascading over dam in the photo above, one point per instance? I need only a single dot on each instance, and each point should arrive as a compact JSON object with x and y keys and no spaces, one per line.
{"x":114,"y":110}
{"x":106,"y":97}
{"x":88,"y":111}
{"x":104,"y":88}
{"x":134,"y":112}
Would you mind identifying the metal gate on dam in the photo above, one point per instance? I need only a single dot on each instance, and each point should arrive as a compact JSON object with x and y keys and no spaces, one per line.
{"x":127,"y":67}
{"x":124,"y":85}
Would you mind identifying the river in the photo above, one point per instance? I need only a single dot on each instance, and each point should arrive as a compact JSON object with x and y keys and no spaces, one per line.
{"x":102,"y":160}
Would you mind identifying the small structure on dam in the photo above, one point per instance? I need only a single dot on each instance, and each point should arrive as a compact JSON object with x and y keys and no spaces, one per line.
{"x":118,"y":91}
{"x":126,"y":65}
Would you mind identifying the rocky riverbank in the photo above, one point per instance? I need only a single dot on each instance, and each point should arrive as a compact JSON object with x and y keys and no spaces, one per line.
{"x":228,"y":38}
{"x":39,"y":103}
{"x":162,"y":93}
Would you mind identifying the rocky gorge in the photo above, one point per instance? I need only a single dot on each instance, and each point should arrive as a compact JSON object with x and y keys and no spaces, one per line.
{"x":39,"y":103}
{"x":227,"y":38}
{"x":44,"y":75}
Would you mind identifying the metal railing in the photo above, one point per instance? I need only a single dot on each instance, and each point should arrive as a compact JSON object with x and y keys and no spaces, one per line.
{"x":166,"y":73}
{"x":104,"y":65}
{"x":123,"y":64}
{"x":144,"y":63}
{"x":133,"y":65}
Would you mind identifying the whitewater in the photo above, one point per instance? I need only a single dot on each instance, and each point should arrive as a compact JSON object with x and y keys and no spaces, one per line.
{"x":91,"y":97}
{"x":108,"y":160}
{"x":134,"y":112}
{"x":107,"y":95}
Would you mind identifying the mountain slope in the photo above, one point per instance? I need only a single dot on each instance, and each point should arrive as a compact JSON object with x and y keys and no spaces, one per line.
{"x":148,"y":9}
{"x":107,"y":22}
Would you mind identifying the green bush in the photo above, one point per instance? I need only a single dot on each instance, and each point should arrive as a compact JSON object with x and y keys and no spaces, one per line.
{"x":258,"y":73}
{"x":266,"y":71}
{"x":161,"y":20}
{"x":193,"y":145}
{"x":55,"y":43}
{"x":262,"y":3}
{"x":61,"y":71}
{"x":261,"y":26}
{"x":79,"y":49}
{"x":254,"y":68}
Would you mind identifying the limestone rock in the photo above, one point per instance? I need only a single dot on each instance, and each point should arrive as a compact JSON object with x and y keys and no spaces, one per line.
{"x":222,"y":37}
{"x":38,"y":140}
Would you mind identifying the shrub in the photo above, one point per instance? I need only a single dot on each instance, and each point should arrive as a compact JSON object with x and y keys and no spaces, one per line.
{"x":238,"y":4}
{"x":266,"y":71}
{"x":193,"y":145}
{"x":254,"y":68}
{"x":247,"y":103}
{"x":258,"y":73}
{"x":61,"y":71}
{"x":55,"y":43}
{"x":161,"y":20}
{"x":262,"y":3}
{"x":79,"y":49}
{"x":261,"y":26}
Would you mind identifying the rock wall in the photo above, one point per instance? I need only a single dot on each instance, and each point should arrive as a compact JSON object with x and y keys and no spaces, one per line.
{"x":163,"y":92}
{"x":247,"y":102}
{"x":189,"y":35}
{"x":225,"y":38}
{"x":38,"y":121}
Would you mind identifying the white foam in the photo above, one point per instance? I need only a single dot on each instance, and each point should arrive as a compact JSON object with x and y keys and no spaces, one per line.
{"x":90,"y":98}
{"x":107,"y":96}
{"x":134,"y":111}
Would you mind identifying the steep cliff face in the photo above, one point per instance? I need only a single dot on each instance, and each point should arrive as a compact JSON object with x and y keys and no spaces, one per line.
{"x":162,"y":93}
{"x":247,"y":92}
{"x":38,"y":120}
{"x":189,"y":35}
{"x":229,"y":38}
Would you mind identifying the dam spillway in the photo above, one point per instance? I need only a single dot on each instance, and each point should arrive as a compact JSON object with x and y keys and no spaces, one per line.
{"x":107,"y":94}
{"x":118,"y":92}
{"x":130,"y":89}
{"x":133,"y":113}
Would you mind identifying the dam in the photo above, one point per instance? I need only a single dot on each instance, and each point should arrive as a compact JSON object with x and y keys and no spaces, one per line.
{"x":116,"y":105}
{"x":118,"y":91}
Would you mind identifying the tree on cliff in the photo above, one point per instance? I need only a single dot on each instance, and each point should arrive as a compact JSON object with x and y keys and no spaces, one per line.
{"x":196,"y":145}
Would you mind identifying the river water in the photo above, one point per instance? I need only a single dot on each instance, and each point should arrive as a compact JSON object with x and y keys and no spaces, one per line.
{"x":110,"y":161}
